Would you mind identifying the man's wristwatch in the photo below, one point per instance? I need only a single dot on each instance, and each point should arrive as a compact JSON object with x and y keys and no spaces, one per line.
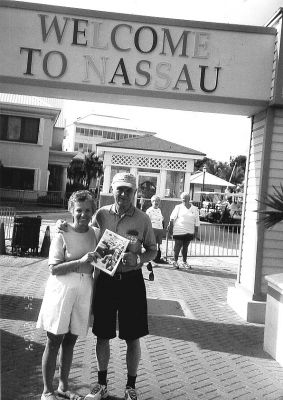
{"x":138,"y":259}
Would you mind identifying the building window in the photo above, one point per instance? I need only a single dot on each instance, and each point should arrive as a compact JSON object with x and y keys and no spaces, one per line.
{"x":17,"y":178}
{"x":87,"y":148}
{"x":19,"y":129}
{"x":83,"y":147}
{"x":108,"y":135}
{"x":174,"y":184}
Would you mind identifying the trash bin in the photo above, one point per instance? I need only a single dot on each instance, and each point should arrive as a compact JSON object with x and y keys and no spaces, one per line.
{"x":25,"y":238}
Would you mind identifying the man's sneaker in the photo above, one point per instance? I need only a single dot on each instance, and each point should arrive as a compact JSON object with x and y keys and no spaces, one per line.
{"x":175,"y":265}
{"x":98,"y":392}
{"x":48,"y":396}
{"x":130,"y":393}
{"x":186,"y":265}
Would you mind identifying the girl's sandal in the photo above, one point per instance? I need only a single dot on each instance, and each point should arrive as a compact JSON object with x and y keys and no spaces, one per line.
{"x":69,"y":395}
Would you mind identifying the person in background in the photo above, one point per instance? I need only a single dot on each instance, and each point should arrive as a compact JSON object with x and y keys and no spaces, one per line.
{"x":124,"y":294}
{"x":157,"y":221}
{"x":67,"y":299}
{"x":184,"y":224}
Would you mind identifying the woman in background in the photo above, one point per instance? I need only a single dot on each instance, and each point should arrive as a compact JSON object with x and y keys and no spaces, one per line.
{"x":184,"y":224}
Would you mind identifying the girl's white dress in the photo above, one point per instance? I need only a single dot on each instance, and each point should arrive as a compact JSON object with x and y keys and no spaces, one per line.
{"x":67,"y":299}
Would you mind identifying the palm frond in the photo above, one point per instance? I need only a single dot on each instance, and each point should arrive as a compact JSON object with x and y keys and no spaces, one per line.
{"x":275,"y":202}
{"x":270,"y":218}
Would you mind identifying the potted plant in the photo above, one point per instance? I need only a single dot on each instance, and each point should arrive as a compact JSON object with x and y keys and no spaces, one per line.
{"x":274,"y":201}
{"x":273,"y":330}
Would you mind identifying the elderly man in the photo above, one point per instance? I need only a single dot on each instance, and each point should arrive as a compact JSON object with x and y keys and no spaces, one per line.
{"x":124,"y":293}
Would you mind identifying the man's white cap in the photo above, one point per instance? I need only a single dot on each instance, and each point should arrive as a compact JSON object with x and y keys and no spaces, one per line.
{"x":124,"y":179}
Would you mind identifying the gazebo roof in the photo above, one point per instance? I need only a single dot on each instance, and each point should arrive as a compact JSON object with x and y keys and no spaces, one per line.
{"x":209,"y":179}
{"x":151,"y":143}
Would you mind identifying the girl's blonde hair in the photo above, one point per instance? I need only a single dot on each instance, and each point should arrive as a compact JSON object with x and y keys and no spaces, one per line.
{"x":81,"y":195}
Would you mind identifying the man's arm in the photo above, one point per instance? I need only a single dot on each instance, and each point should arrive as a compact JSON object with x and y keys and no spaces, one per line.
{"x":149,"y":254}
{"x":96,"y":222}
{"x":134,"y":261}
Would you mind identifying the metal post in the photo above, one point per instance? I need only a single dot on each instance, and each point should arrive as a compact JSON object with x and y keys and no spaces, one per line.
{"x":203,"y":181}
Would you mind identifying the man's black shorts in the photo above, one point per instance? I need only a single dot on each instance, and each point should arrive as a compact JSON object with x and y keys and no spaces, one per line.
{"x":127,"y":297}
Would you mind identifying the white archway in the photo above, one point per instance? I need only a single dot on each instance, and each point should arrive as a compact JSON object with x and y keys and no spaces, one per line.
{"x":156,"y":62}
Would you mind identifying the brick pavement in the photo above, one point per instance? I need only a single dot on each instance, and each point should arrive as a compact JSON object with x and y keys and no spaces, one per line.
{"x":198,"y":348}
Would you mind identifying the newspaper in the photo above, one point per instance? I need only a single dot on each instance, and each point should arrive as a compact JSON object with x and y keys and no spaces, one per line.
{"x":110,"y":248}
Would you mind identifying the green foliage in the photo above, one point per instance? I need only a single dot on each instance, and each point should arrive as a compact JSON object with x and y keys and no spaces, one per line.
{"x":82,"y":171}
{"x":75,"y":171}
{"x":275,"y":202}
{"x":236,"y":167}
{"x":93,"y":168}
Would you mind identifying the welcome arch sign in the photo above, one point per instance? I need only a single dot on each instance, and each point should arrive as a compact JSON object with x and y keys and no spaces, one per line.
{"x":96,"y":56}
{"x":91,"y":55}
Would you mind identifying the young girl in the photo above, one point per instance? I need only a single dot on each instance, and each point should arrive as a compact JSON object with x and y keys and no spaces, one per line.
{"x":66,"y":304}
{"x":156,"y":218}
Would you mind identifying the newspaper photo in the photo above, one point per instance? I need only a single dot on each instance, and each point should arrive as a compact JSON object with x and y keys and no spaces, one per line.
{"x":110,"y":248}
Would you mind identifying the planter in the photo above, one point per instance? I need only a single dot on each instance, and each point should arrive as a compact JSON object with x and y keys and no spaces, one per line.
{"x":273,"y":331}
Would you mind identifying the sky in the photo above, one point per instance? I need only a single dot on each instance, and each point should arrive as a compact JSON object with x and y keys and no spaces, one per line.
{"x":219,"y":136}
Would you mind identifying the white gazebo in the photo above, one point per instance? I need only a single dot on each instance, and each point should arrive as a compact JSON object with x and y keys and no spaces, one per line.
{"x":161,"y":167}
{"x":204,"y":181}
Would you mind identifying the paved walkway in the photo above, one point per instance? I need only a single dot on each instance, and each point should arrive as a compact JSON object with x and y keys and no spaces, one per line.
{"x":198,"y":348}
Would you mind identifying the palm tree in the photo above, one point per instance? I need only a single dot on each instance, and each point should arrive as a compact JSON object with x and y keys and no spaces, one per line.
{"x":1,"y":172}
{"x":75,"y":171}
{"x":275,"y":202}
{"x":93,"y":169}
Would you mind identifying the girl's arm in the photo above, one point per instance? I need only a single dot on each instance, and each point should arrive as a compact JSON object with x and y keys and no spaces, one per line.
{"x":57,"y":263}
{"x":73,"y":265}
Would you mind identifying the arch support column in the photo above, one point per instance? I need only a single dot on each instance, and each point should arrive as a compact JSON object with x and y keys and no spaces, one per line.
{"x":106,"y":179}
{"x":261,"y":250}
{"x":63,"y":182}
{"x":187,"y":182}
{"x":162,"y":188}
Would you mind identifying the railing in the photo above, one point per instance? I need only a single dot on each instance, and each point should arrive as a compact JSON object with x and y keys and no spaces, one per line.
{"x":214,"y":240}
{"x":54,"y":198}
{"x":7,"y":215}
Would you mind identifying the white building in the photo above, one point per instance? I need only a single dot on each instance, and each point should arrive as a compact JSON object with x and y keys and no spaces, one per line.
{"x":31,"y":134}
{"x":86,"y":132}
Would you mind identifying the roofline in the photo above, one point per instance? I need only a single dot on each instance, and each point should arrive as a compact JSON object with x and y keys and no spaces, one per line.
{"x":31,"y":109}
{"x":274,"y":17}
{"x":167,"y":153}
{"x":103,"y":115}
{"x":133,"y":130}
